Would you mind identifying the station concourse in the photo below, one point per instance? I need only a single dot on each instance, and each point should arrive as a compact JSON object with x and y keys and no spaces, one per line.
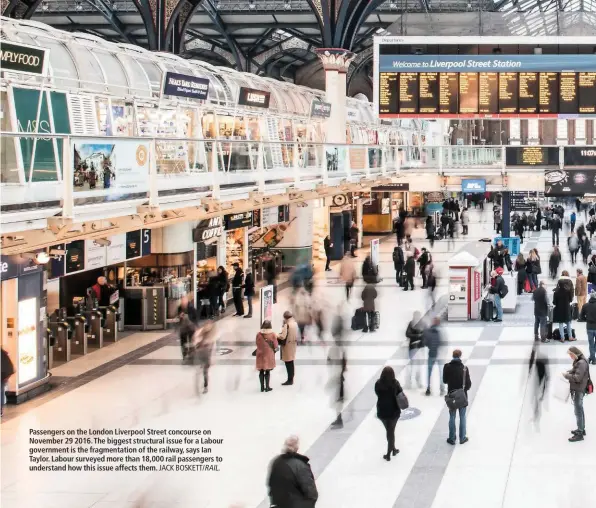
{"x":218,"y":222}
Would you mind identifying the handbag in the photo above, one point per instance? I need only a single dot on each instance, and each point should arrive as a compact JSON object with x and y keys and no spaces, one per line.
{"x":458,"y":398}
{"x":402,"y":401}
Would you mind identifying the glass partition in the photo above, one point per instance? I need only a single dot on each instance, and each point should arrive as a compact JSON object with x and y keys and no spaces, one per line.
{"x":88,"y":68}
{"x":138,"y":79}
{"x":115,"y":75}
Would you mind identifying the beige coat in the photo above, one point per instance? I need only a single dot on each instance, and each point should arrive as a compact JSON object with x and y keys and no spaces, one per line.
{"x":581,"y":286}
{"x":347,"y":270}
{"x":289,"y":333}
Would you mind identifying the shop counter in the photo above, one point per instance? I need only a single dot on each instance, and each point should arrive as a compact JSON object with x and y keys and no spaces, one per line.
{"x":377,"y":223}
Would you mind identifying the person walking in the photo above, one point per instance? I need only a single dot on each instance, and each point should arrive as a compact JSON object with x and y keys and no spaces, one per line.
{"x":562,"y":298}
{"x":369,"y":295}
{"x":539,"y":219}
{"x":267,"y":345}
{"x":539,"y":364}
{"x":204,"y":341}
{"x":456,"y":376}
{"x":224,"y":286}
{"x":302,"y":310}
{"x":290,"y":481}
{"x":578,"y":378}
{"x":497,"y":219}
{"x":328,"y":246}
{"x":414,"y":335}
{"x":410,"y":269}
{"x":353,"y":239}
{"x":499,"y":290}
{"x":424,"y":262}
{"x":187,"y":319}
{"x":400,"y":230}
{"x":387,"y":389}
{"x":572,"y":220}
{"x":433,"y":340}
{"x":398,"y":263}
{"x":553,"y":262}
{"x":555,"y":225}
{"x":347,"y":273}
{"x":541,"y":305}
{"x":237,"y":282}
{"x":522,"y":274}
{"x":465,"y":220}
{"x":430,"y":231}
{"x":585,"y":247}
{"x":533,"y":268}
{"x":249,"y":292}
{"x":288,"y":340}
{"x":581,"y":289}
{"x":588,"y":314}
{"x":573,"y":244}
{"x":6,"y":370}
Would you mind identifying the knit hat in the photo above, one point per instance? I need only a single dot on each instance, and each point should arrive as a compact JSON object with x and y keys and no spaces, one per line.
{"x":576,"y":351}
{"x":499,"y":271}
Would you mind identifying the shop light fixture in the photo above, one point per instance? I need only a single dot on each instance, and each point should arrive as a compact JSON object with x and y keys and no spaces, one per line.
{"x":252,"y":4}
{"x":288,"y":5}
{"x":104,"y":242}
{"x":79,"y":5}
{"x":44,"y":6}
{"x":40,"y":258}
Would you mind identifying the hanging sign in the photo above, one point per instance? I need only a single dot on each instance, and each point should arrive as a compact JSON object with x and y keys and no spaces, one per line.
{"x":56,"y":266}
{"x":254,"y":98}
{"x":75,"y":256}
{"x":238,"y":220}
{"x":145,"y":242}
{"x":20,"y":58}
{"x":208,"y":230}
{"x":473,"y":186}
{"x":95,"y":254}
{"x":116,"y":251}
{"x":266,"y":303}
{"x":133,"y":244}
{"x":182,"y":85}
{"x":391,"y":187}
{"x":320,"y":109}
{"x":14,"y":266}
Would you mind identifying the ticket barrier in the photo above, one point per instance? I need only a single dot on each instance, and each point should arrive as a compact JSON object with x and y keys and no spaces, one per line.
{"x":50,"y":341}
{"x":110,"y":327}
{"x":78,"y":340}
{"x":95,"y":328}
{"x":61,"y":330}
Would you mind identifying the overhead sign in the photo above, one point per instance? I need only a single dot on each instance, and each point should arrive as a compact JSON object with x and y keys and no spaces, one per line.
{"x":121,"y":167}
{"x":20,"y":58}
{"x":133,"y":244}
{"x":579,"y":156}
{"x":473,"y":185}
{"x":75,"y":256}
{"x":523,"y":156}
{"x":254,"y":98}
{"x":569,"y":182}
{"x":238,"y":220}
{"x":391,"y":187}
{"x":16,"y":266}
{"x":320,"y":109}
{"x":183,"y":85}
{"x":116,"y":251}
{"x":208,"y":230}
{"x":95,"y":254}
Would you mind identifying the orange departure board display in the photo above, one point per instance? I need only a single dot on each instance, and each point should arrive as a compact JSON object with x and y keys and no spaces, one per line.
{"x":568,"y":97}
{"x":587,"y":92}
{"x":508,"y":93}
{"x":429,"y":92}
{"x":488,"y":93}
{"x":528,"y":92}
{"x":468,"y":92}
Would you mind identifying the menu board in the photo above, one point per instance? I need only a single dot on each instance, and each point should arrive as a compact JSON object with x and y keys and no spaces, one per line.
{"x":388,"y":93}
{"x":528,"y":92}
{"x":531,"y":156}
{"x":548,"y":92}
{"x":468,"y":92}
{"x":587,"y":92}
{"x":568,"y":100}
{"x":429,"y":92}
{"x":408,"y":92}
{"x":448,"y":92}
{"x":508,"y":92}
{"x":488,"y":93}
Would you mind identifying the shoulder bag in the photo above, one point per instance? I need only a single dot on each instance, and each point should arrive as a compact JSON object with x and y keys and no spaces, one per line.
{"x":402,"y":400}
{"x":458,"y":398}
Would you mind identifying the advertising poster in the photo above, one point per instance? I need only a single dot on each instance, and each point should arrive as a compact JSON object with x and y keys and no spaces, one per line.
{"x":75,"y":256}
{"x":27,"y":369}
{"x":95,"y":255}
{"x":121,"y":166}
{"x":183,"y":85}
{"x":266,"y":303}
{"x":116,"y":251}
{"x":473,"y":186}
{"x":561,"y":182}
{"x":374,"y":251}
{"x":336,"y":158}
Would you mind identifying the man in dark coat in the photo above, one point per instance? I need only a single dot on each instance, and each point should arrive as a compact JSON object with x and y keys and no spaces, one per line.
{"x":237,"y":282}
{"x":538,"y":219}
{"x":562,"y":298}
{"x":555,"y":225}
{"x":540,"y":312}
{"x":328,"y":246}
{"x":369,"y":295}
{"x":353,"y":239}
{"x":424,"y":260}
{"x":249,"y":292}
{"x":588,"y":314}
{"x":410,"y":269}
{"x":398,"y":262}
{"x":400,"y":230}
{"x":291,"y":482}
{"x":453,"y":377}
{"x":6,"y":370}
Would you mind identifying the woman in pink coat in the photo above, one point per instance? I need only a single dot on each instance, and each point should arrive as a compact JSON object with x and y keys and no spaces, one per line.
{"x":266,"y":348}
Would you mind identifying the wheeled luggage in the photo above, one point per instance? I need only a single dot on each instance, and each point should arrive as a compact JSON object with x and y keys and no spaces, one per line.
{"x":403,"y":280}
{"x":487,"y":310}
{"x":574,"y":311}
{"x":359,"y":320}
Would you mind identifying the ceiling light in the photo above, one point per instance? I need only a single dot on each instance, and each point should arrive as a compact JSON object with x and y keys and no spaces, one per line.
{"x":251,"y":4}
{"x":40,"y":258}
{"x":79,"y":5}
{"x":393,"y":4}
{"x":287,"y":5}
{"x":44,"y":6}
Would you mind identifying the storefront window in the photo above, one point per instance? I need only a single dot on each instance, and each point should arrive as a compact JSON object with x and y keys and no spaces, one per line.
{"x":235,"y":245}
{"x":8,"y":158}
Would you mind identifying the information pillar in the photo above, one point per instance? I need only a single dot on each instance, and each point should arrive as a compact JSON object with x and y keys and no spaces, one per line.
{"x":506,"y":212}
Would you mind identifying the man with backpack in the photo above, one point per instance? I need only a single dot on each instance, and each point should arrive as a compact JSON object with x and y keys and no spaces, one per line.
{"x":499,"y":290}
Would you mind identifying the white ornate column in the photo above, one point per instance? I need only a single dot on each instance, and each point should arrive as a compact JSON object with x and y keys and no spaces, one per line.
{"x":514,"y":131}
{"x":336,"y":63}
{"x":580,"y":131}
{"x":533,"y":131}
{"x":562,"y":132}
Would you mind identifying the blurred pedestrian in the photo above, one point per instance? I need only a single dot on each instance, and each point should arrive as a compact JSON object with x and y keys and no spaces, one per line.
{"x":204,"y":342}
{"x":414,"y":333}
{"x":581,"y":289}
{"x":553,"y":263}
{"x":6,"y":370}
{"x":410,"y":269}
{"x":522,"y":275}
{"x":249,"y":292}
{"x":187,"y":319}
{"x":237,"y":282}
{"x":302,"y":310}
{"x":578,"y":378}
{"x":354,"y":232}
{"x":572,"y":220}
{"x":347,"y":273}
{"x":465,"y":220}
{"x":290,"y":481}
{"x":533,"y":268}
{"x":433,"y":340}
{"x":224,"y":287}
{"x":267,"y":346}
{"x":398,"y":263}
{"x":562,"y":298}
{"x":328,"y":252}
{"x":387,"y":389}
{"x":457,"y":377}
{"x":288,"y":340}
{"x":588,"y":314}
{"x":585,"y":247}
{"x":573,"y":244}
{"x":369,"y":295}
{"x":430,"y":231}
{"x":539,"y":366}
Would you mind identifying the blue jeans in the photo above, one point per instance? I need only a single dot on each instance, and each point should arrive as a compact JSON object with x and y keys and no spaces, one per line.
{"x":431,"y":362}
{"x":592,"y":343}
{"x":499,"y":307}
{"x":540,"y":322}
{"x":562,"y":330}
{"x":462,"y":424}
{"x":533,"y":279}
{"x":578,"y":407}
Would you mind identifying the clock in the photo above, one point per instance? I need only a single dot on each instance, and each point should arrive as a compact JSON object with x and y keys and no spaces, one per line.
{"x":340,"y":200}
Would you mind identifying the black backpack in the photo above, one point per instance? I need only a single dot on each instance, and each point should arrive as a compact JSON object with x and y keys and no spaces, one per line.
{"x":504,"y":291}
{"x":6,"y":366}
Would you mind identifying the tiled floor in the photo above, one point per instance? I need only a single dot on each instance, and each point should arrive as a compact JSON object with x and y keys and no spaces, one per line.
{"x":508,"y":461}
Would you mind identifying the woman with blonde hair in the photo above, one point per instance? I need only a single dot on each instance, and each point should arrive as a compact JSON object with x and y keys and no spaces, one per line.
{"x":522,"y":275}
{"x":267,"y":346}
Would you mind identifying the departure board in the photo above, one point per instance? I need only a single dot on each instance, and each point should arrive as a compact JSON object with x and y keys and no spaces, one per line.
{"x":528,"y":92}
{"x":488,"y":93}
{"x":468,"y":92}
{"x":587,"y":92}
{"x":568,"y":97}
{"x":429,"y":92}
{"x":523,"y":156}
{"x":388,"y":93}
{"x":408,"y":92}
{"x":548,"y":92}
{"x":508,"y":93}
{"x":448,"y":93}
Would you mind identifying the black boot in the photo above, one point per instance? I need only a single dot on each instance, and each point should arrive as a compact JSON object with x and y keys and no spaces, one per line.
{"x":262,"y":380}
{"x":267,"y":377}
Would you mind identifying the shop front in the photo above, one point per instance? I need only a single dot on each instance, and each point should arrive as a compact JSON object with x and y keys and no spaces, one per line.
{"x":384,"y":206}
{"x":23,"y":318}
{"x":269,"y":226}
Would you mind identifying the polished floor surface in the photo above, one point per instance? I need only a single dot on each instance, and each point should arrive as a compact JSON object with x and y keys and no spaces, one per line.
{"x":510,"y":460}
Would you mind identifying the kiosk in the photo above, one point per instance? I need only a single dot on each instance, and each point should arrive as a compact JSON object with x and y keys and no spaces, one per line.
{"x":469,"y":272}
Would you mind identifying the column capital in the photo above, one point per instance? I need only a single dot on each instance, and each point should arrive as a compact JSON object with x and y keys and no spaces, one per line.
{"x":335,"y":59}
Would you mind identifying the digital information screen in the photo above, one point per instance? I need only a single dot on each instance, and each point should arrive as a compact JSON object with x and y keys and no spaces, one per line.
{"x":579,"y":157}
{"x":498,"y":86}
{"x":524,"y":156}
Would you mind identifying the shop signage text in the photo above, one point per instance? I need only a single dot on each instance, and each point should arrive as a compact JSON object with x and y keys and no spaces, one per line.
{"x":208,"y":230}
{"x":254,"y":98}
{"x":182,"y":85}
{"x":18,"y":58}
{"x":579,"y":156}
{"x":569,"y":182}
{"x":238,"y":220}
{"x":473,"y":185}
{"x":392,"y":187}
{"x":15,"y":266}
{"x":320,"y":109}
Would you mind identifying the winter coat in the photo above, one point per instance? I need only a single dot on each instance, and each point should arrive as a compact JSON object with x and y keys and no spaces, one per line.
{"x":453,"y":376}
{"x":327,"y":246}
{"x":288,"y":339}
{"x":347,"y":270}
{"x":521,"y":270}
{"x":424,"y":259}
{"x":414,"y":334}
{"x":588,"y":313}
{"x":369,"y":294}
{"x":291,"y":482}
{"x":554,"y":261}
{"x":249,"y":285}
{"x":573,"y":243}
{"x":237,"y":279}
{"x":369,"y":272}
{"x":581,"y":286}
{"x":586,"y":247}
{"x":497,"y":285}
{"x":302,"y":306}
{"x":540,"y":302}
{"x":562,"y":298}
{"x":411,"y":266}
{"x":555,"y":224}
{"x":497,"y":254}
{"x":387,"y":408}
{"x":432,"y":340}
{"x":354,"y":234}
{"x":266,"y":343}
{"x":578,"y":375}
{"x":224,"y":282}
{"x":465,"y":218}
{"x":398,"y":258}
{"x":6,"y":367}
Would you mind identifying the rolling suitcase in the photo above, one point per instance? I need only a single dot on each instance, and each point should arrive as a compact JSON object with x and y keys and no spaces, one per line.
{"x":359,"y":320}
{"x":574,"y":311}
{"x":403,"y":280}
{"x":377,"y":319}
{"x":556,"y":334}
{"x":487,"y":310}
